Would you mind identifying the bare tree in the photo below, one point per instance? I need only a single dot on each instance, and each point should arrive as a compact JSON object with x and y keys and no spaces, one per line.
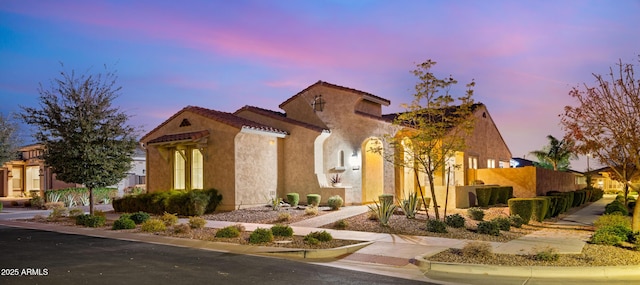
{"x":606,"y":122}
{"x":435,"y":123}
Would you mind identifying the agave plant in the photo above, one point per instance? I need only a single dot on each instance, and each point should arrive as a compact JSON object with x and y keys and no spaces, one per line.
{"x":383,"y":210}
{"x":53,"y":196}
{"x":69,"y":199}
{"x":84,"y":198}
{"x":410,"y":205}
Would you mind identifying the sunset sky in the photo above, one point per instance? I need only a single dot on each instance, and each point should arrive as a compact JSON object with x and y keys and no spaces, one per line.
{"x":524,"y":56}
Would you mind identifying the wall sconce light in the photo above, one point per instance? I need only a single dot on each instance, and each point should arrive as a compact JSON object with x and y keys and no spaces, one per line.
{"x":318,"y":103}
{"x":354,"y":161}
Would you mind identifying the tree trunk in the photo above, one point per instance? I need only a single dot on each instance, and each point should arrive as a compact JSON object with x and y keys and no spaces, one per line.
{"x":433,"y":196}
{"x":91,"y":201}
{"x":635,"y":222}
{"x":446,"y":198}
{"x":424,"y":202}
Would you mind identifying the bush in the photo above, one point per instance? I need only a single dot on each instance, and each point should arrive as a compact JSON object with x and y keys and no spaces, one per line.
{"x":410,"y":205}
{"x":93,"y":221}
{"x":197,"y":222}
{"x":293,"y":199}
{"x":124,"y":223}
{"x":313,"y":200}
{"x":612,"y":220}
{"x":504,"y":223}
{"x":153,"y":225}
{"x":341,"y":224}
{"x":516,"y":220}
{"x":489,"y":228}
{"x":529,"y":208}
{"x":476,"y":214}
{"x":282,"y":231}
{"x":335,"y":202}
{"x":185,"y":203}
{"x":139,"y":217}
{"x":76,"y":212}
{"x":181,"y":228}
{"x":322,"y":236}
{"x":311,"y":211}
{"x":37,"y":202}
{"x":483,"y":195}
{"x":596,"y":194}
{"x":477,"y":249}
{"x":504,"y":194}
{"x":611,"y":235}
{"x":228,"y":232}
{"x":57,"y":213}
{"x":311,"y":240}
{"x":616,"y":206}
{"x":283,"y":217}
{"x":169,"y":219}
{"x":436,"y":226}
{"x":545,"y":254}
{"x":261,"y":235}
{"x":455,"y":221}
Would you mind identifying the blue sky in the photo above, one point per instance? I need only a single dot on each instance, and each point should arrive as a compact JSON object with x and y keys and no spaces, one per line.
{"x":524,"y":56}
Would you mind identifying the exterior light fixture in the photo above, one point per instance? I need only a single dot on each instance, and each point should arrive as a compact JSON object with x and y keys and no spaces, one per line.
{"x":318,"y":103}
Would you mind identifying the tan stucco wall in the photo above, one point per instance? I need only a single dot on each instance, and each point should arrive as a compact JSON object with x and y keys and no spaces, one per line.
{"x":529,"y":181}
{"x":485,"y":142}
{"x":256,"y":176}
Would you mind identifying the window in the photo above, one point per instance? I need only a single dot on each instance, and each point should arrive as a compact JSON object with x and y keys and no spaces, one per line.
{"x":188,"y":169}
{"x":491,"y":163}
{"x":196,"y":169}
{"x":16,"y":181}
{"x":179,"y":170}
{"x":473,"y":162}
{"x":505,"y":164}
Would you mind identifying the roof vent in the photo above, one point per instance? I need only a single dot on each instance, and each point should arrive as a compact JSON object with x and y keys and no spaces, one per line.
{"x":185,"y":123}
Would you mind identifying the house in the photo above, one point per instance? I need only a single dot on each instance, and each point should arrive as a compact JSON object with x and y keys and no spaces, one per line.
{"x":28,"y":173}
{"x":604,"y":178}
{"x":254,"y":155}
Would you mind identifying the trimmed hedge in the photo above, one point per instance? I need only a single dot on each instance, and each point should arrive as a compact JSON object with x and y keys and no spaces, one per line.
{"x":313,"y":199}
{"x":184,"y":203}
{"x":293,"y":199}
{"x":484,"y":196}
{"x":504,"y":194}
{"x":529,"y":208}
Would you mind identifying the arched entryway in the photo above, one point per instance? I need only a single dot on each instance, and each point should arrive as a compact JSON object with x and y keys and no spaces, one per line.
{"x":405,"y":171}
{"x":372,"y":170}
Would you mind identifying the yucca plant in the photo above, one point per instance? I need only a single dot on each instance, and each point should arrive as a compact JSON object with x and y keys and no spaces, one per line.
{"x":53,"y":196}
{"x":84,"y":198}
{"x":383,"y":210}
{"x":410,"y":205}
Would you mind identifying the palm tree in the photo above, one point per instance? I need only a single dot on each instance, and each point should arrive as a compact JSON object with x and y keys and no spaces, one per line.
{"x":557,"y":152}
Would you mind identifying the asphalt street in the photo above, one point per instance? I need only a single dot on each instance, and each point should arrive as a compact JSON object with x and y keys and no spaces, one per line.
{"x":40,"y":257}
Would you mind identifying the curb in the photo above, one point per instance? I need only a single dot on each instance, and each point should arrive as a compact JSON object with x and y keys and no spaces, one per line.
{"x":599,"y":272}
{"x":318,"y":253}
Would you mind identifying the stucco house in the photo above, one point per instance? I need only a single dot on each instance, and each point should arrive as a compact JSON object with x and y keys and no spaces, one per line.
{"x":254,"y":154}
{"x":28,"y":173}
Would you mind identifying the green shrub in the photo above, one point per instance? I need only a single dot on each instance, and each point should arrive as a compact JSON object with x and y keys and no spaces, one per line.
{"x":483,"y":195}
{"x":455,"y":221}
{"x":383,"y":211}
{"x":476,"y":214}
{"x":293,"y":199}
{"x":57,"y":213}
{"x":153,"y":225}
{"x":488,"y":228}
{"x":436,"y":226}
{"x":504,"y":193}
{"x":311,"y":241}
{"x":313,"y":200}
{"x":612,"y":220}
{"x":611,"y":235}
{"x":504,"y":223}
{"x":493,"y":197}
{"x":124,"y":223}
{"x":341,"y":224}
{"x":596,"y":194}
{"x":616,"y":206}
{"x":282,"y":231}
{"x":228,"y":232}
{"x":1,"y":206}
{"x":284,"y":217}
{"x":545,"y":254}
{"x":93,"y":221}
{"x":197,"y":202}
{"x":76,"y":212}
{"x":169,"y":219}
{"x":516,"y":220}
{"x":529,"y":208}
{"x":185,"y":203}
{"x":37,"y":202}
{"x":335,"y":202}
{"x":322,"y":236}
{"x":261,"y":235}
{"x":197,"y":222}
{"x":139,"y":217}
{"x":477,"y":249}
{"x":311,"y":211}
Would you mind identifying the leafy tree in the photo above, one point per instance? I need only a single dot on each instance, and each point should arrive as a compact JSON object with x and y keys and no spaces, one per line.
{"x":9,"y":140}
{"x":434,"y":124}
{"x":606,"y":123}
{"x":86,"y":139}
{"x":556,"y":155}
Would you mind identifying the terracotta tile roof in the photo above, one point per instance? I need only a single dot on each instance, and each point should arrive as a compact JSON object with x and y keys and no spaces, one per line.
{"x":448,"y":112}
{"x":280,"y":116}
{"x":192,"y":136}
{"x":322,"y":83}
{"x":222,"y":117}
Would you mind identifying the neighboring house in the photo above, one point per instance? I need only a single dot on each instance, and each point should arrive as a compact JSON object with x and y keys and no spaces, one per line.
{"x":603,"y":178}
{"x":136,"y":176}
{"x":28,"y":173}
{"x":255,"y":154}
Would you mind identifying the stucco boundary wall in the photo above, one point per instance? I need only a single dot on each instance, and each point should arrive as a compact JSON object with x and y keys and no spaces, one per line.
{"x":530,"y":181}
